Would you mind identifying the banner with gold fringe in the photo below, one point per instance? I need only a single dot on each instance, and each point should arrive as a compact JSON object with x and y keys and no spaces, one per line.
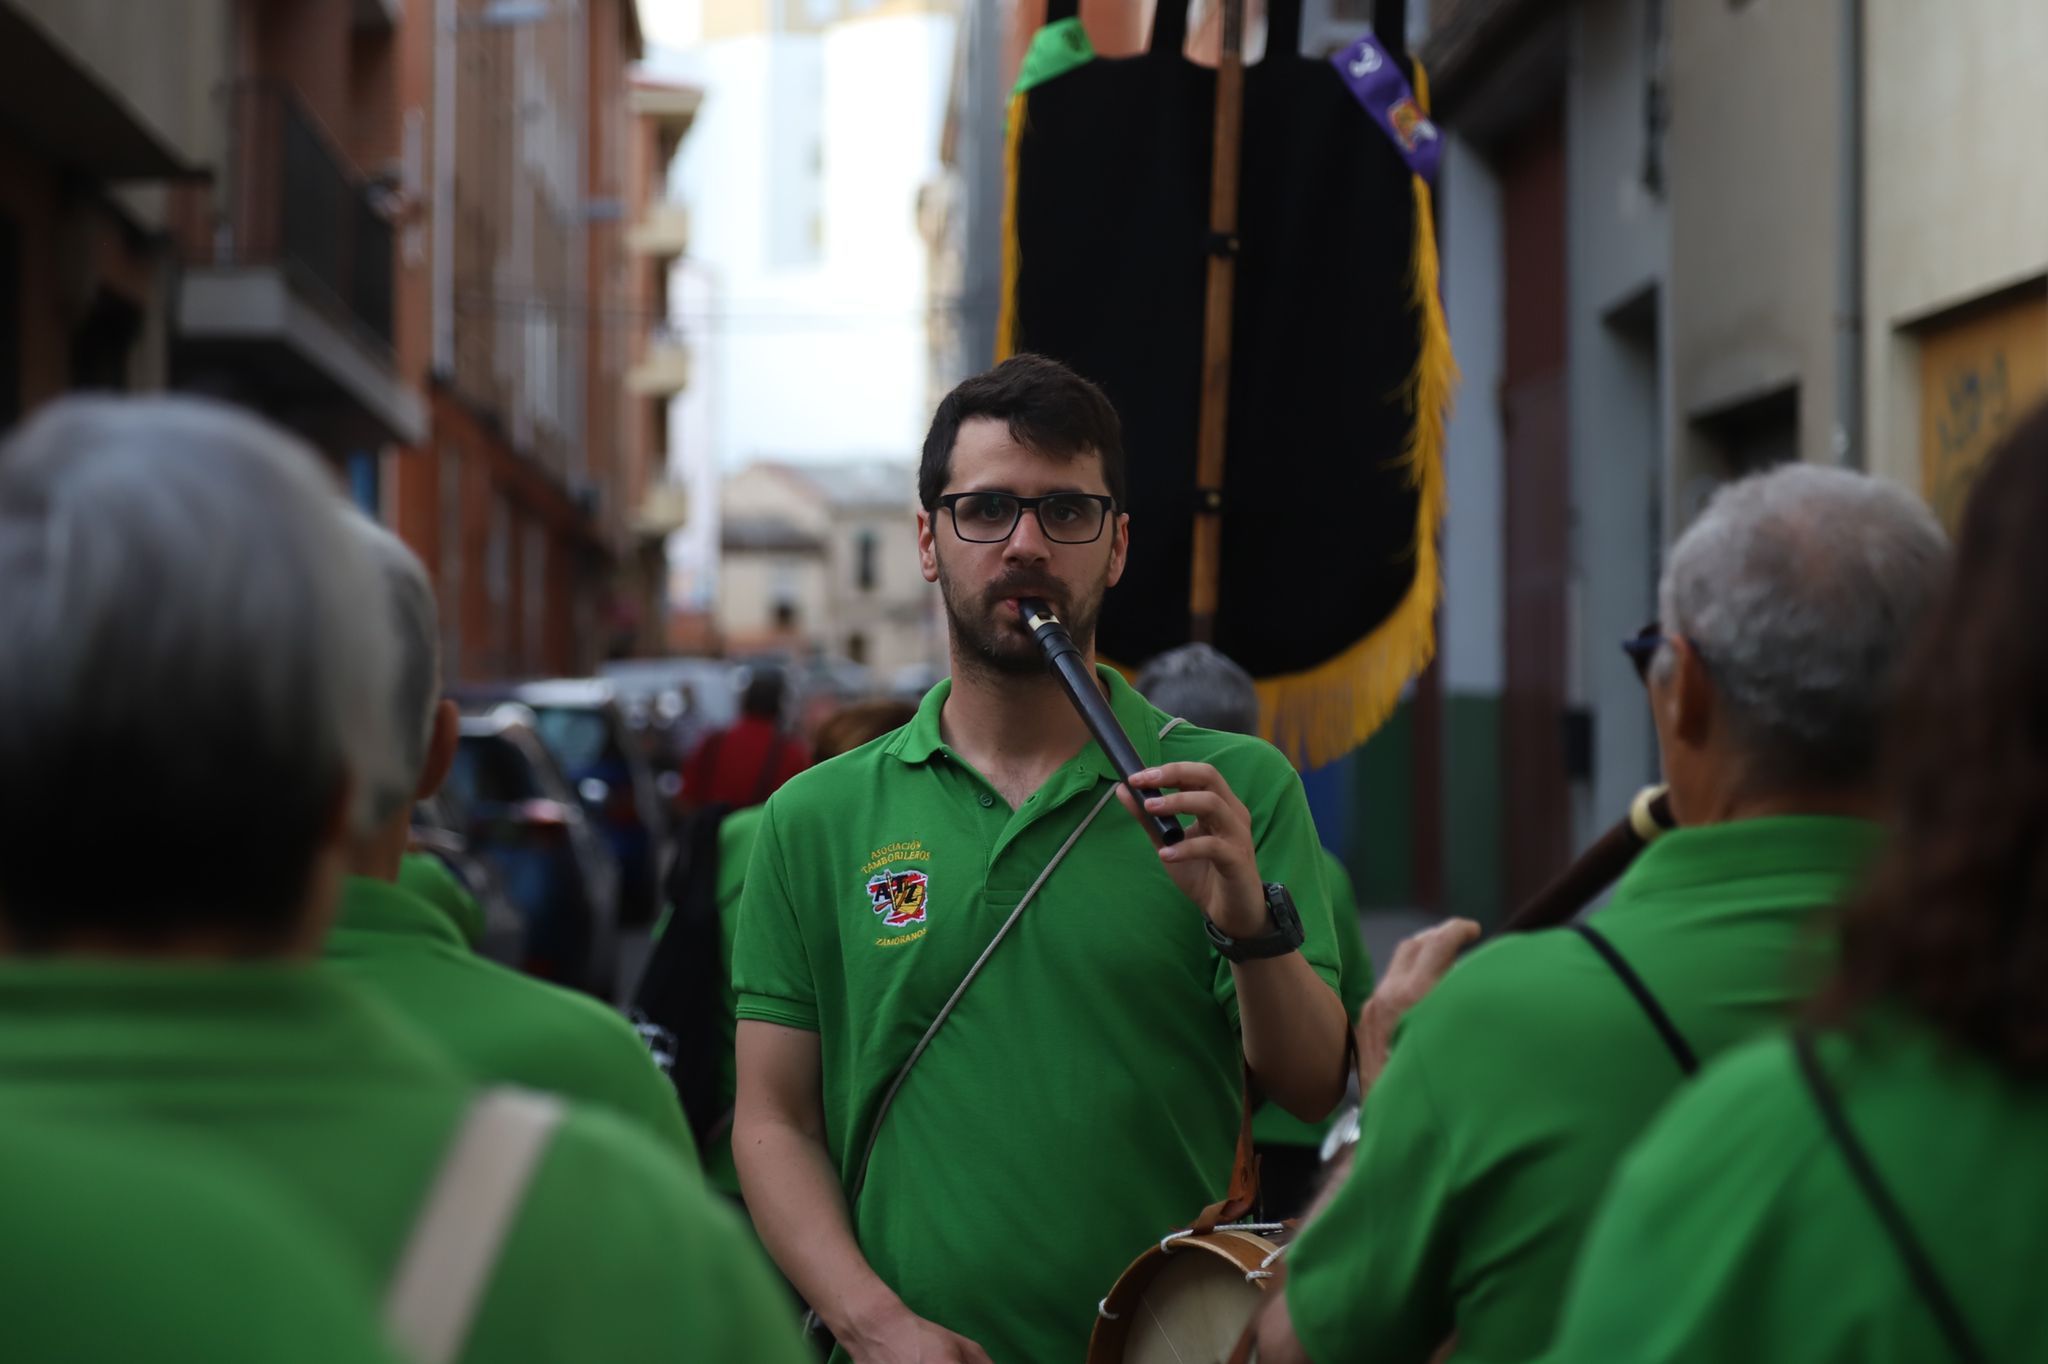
{"x":1341,"y":374}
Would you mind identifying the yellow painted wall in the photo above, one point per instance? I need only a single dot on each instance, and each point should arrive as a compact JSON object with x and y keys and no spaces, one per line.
{"x":1979,"y":374}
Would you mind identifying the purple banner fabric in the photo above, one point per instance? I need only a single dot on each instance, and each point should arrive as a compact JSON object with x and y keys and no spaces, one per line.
{"x":1377,"y":81}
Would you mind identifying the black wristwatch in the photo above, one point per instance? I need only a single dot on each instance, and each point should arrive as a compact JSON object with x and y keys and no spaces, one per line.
{"x":1283,"y":937}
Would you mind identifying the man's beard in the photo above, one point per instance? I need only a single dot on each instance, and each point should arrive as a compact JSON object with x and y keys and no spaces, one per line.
{"x":989,"y":635}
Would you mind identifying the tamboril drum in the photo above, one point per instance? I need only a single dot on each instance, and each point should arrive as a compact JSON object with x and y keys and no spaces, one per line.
{"x":1189,"y":1298}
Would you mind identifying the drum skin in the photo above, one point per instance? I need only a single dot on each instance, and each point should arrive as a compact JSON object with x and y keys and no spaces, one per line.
{"x":1189,"y":1301}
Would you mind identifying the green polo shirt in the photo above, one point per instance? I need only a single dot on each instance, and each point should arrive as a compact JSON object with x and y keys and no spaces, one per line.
{"x":426,"y":876}
{"x":305,"y":1083}
{"x":1734,"y":1229}
{"x":1273,"y":1124}
{"x":1513,"y":1089}
{"x":1082,"y":1098}
{"x":499,"y":1026}
{"x":116,"y":1246}
{"x":735,"y":849}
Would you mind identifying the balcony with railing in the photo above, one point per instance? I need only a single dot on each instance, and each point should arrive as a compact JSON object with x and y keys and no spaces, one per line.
{"x":294,"y":284}
{"x":663,"y":233}
{"x":664,"y":370}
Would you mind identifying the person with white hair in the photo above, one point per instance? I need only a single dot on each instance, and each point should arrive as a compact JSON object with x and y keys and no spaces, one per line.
{"x":1514,"y":1087}
{"x":191,"y":704}
{"x":500,"y":1026}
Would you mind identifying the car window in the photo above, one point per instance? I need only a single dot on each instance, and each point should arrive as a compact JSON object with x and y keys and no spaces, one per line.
{"x":490,"y":770}
{"x":579,"y":739}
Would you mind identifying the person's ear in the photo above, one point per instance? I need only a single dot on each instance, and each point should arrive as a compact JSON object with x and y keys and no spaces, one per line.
{"x":441,"y":745}
{"x":1689,"y":693}
{"x":1119,"y":547}
{"x":927,"y":545}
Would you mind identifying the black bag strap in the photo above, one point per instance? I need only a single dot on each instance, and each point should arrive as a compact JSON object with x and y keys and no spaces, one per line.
{"x":1681,"y":1050}
{"x":1919,"y":1267}
{"x":1056,"y":10}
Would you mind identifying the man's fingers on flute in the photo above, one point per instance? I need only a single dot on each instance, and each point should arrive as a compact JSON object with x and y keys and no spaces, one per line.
{"x":1210,"y":807}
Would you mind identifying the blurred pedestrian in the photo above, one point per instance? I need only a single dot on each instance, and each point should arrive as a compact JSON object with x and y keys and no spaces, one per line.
{"x":500,"y":1026}
{"x":189,"y":653}
{"x":744,"y":763}
{"x":1872,"y":1189}
{"x":848,"y":728}
{"x":1203,"y":687}
{"x":1513,"y":1088}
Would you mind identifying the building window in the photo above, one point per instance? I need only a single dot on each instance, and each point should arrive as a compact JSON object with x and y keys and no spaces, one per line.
{"x":534,"y":561}
{"x":451,"y":561}
{"x":865,"y":546}
{"x":363,"y":484}
{"x":857,"y":648}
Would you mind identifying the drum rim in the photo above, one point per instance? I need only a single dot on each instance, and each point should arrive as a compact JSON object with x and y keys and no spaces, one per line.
{"x":1245,"y":1250}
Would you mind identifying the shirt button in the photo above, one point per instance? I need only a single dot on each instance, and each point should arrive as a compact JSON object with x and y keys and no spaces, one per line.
{"x":987,"y":801}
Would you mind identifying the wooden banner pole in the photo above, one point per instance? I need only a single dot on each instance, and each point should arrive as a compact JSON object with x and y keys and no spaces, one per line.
{"x":1216,"y":322}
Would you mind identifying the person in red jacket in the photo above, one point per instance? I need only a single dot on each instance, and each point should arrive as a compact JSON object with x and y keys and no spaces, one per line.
{"x":743,"y":763}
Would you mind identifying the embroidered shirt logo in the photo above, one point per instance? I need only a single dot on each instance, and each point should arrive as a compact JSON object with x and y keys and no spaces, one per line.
{"x":899,"y":897}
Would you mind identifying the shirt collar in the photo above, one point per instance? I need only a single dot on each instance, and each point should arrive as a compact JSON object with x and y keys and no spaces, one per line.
{"x":1825,"y":847}
{"x":372,"y":906}
{"x":91,"y":1021}
{"x":917,"y":741}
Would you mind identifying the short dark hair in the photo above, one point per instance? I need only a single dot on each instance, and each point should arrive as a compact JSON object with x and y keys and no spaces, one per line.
{"x":1049,"y":408}
{"x":765,"y":692}
{"x":1953,"y":925}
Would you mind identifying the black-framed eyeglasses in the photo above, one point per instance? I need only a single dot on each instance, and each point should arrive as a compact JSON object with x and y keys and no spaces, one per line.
{"x":1641,"y":647}
{"x":1066,"y":518}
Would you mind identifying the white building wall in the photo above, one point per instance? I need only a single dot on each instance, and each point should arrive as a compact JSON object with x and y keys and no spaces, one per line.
{"x":805,"y":294}
{"x":1617,"y":251}
{"x":1957,"y":185}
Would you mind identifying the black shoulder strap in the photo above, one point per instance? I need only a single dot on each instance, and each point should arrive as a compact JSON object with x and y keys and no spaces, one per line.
{"x":1681,"y":1050}
{"x":1926,"y":1280}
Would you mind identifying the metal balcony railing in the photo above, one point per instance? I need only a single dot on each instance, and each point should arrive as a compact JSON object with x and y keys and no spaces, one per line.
{"x":290,"y":199}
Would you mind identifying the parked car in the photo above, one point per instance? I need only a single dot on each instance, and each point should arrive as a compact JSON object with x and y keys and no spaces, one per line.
{"x":671,"y":704}
{"x":586,"y":730}
{"x":526,"y":823}
{"x":499,"y":932}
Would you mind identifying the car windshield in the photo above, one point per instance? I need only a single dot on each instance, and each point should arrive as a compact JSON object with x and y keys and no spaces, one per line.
{"x":579,"y":739}
{"x":490,"y":770}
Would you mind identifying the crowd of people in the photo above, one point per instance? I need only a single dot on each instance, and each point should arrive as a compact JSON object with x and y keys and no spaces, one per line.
{"x":980,"y":1037}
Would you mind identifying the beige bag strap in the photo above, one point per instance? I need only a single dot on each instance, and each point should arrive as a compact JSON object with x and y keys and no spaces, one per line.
{"x":441,"y":1278}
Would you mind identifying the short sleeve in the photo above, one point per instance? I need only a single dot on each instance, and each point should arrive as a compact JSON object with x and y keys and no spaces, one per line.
{"x":1368,"y":1277}
{"x":771,"y":969}
{"x":1289,"y":852}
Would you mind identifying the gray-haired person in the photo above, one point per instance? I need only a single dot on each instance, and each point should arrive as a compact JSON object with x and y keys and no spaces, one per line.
{"x":193,"y":706}
{"x":500,"y":1026}
{"x":1517,"y":1084}
{"x":1205,"y":687}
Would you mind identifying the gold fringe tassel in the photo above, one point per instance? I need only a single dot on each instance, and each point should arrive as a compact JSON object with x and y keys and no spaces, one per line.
{"x":1006,"y":314}
{"x":1319,"y":714}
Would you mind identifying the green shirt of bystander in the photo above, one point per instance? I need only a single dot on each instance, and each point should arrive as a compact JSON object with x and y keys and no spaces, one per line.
{"x":500,"y":1027}
{"x":1513,"y":1089}
{"x":120,"y":1246}
{"x":302,"y":1080}
{"x":1735,"y":1229}
{"x":1082,"y":1098}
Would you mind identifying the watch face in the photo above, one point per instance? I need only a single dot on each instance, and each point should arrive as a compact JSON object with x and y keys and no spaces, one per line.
{"x":1286,"y":918}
